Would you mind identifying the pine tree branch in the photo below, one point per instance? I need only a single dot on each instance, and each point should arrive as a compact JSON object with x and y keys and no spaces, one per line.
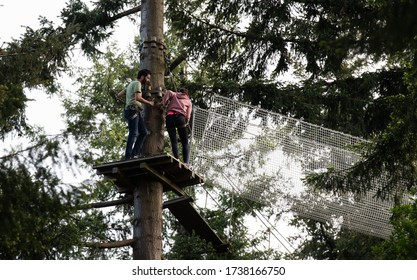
{"x":125,"y":13}
{"x":37,"y":145}
{"x":244,"y":34}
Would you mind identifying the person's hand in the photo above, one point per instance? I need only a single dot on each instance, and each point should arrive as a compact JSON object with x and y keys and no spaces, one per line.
{"x":152,"y":103}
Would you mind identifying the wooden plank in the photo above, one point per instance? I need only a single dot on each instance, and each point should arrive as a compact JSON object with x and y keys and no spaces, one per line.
{"x":163,"y":179}
{"x":192,"y":221}
{"x":114,"y":244}
{"x":124,"y":200}
{"x":172,"y":202}
{"x":132,"y":163}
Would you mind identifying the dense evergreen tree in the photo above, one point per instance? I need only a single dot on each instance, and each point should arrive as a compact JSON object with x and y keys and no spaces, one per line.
{"x":334,"y":48}
{"x":402,"y":244}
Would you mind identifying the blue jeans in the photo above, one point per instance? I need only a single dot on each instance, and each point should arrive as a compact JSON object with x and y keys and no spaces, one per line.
{"x":137,"y":133}
{"x":176,"y":123}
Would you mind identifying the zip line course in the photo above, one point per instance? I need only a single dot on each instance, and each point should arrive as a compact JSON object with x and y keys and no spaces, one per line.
{"x":264,"y":157}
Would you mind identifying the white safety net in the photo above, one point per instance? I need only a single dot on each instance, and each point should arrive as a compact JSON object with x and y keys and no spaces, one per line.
{"x":264,"y":157}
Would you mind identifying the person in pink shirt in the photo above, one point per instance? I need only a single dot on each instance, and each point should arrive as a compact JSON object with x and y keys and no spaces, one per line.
{"x":177,"y":119}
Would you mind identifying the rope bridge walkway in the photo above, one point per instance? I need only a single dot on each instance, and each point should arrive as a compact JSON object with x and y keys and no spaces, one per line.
{"x":264,"y":156}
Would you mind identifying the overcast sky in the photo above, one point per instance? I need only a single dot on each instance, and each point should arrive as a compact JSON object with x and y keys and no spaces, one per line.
{"x":14,"y":16}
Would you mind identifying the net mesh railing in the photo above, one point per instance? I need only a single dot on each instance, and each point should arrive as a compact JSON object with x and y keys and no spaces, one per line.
{"x":264,"y":157}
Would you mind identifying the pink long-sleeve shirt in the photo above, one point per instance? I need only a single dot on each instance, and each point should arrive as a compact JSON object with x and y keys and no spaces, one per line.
{"x":179,"y":103}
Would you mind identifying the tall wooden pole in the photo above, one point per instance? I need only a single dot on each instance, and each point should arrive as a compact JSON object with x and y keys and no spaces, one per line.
{"x":147,"y":200}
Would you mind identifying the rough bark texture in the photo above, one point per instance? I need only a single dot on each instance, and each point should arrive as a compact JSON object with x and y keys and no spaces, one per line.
{"x":152,"y":57}
{"x":147,"y":228}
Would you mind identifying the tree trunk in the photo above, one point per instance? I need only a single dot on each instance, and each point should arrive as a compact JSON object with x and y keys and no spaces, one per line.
{"x":147,"y":228}
{"x":147,"y":223}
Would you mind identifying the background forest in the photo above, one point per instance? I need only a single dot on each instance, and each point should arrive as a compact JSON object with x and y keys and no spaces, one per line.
{"x":350,"y":66}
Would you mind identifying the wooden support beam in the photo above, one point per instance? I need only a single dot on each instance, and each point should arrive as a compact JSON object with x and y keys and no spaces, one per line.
{"x":164,"y":180}
{"x":124,"y":200}
{"x":183,"y":56}
{"x":114,"y":244}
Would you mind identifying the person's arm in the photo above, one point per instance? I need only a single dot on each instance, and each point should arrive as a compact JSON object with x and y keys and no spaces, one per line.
{"x":188,"y":114}
{"x":139,"y":98}
{"x":167,"y":96}
{"x":122,"y":94}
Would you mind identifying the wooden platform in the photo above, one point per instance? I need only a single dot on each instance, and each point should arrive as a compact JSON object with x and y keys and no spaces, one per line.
{"x":173,"y":174}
